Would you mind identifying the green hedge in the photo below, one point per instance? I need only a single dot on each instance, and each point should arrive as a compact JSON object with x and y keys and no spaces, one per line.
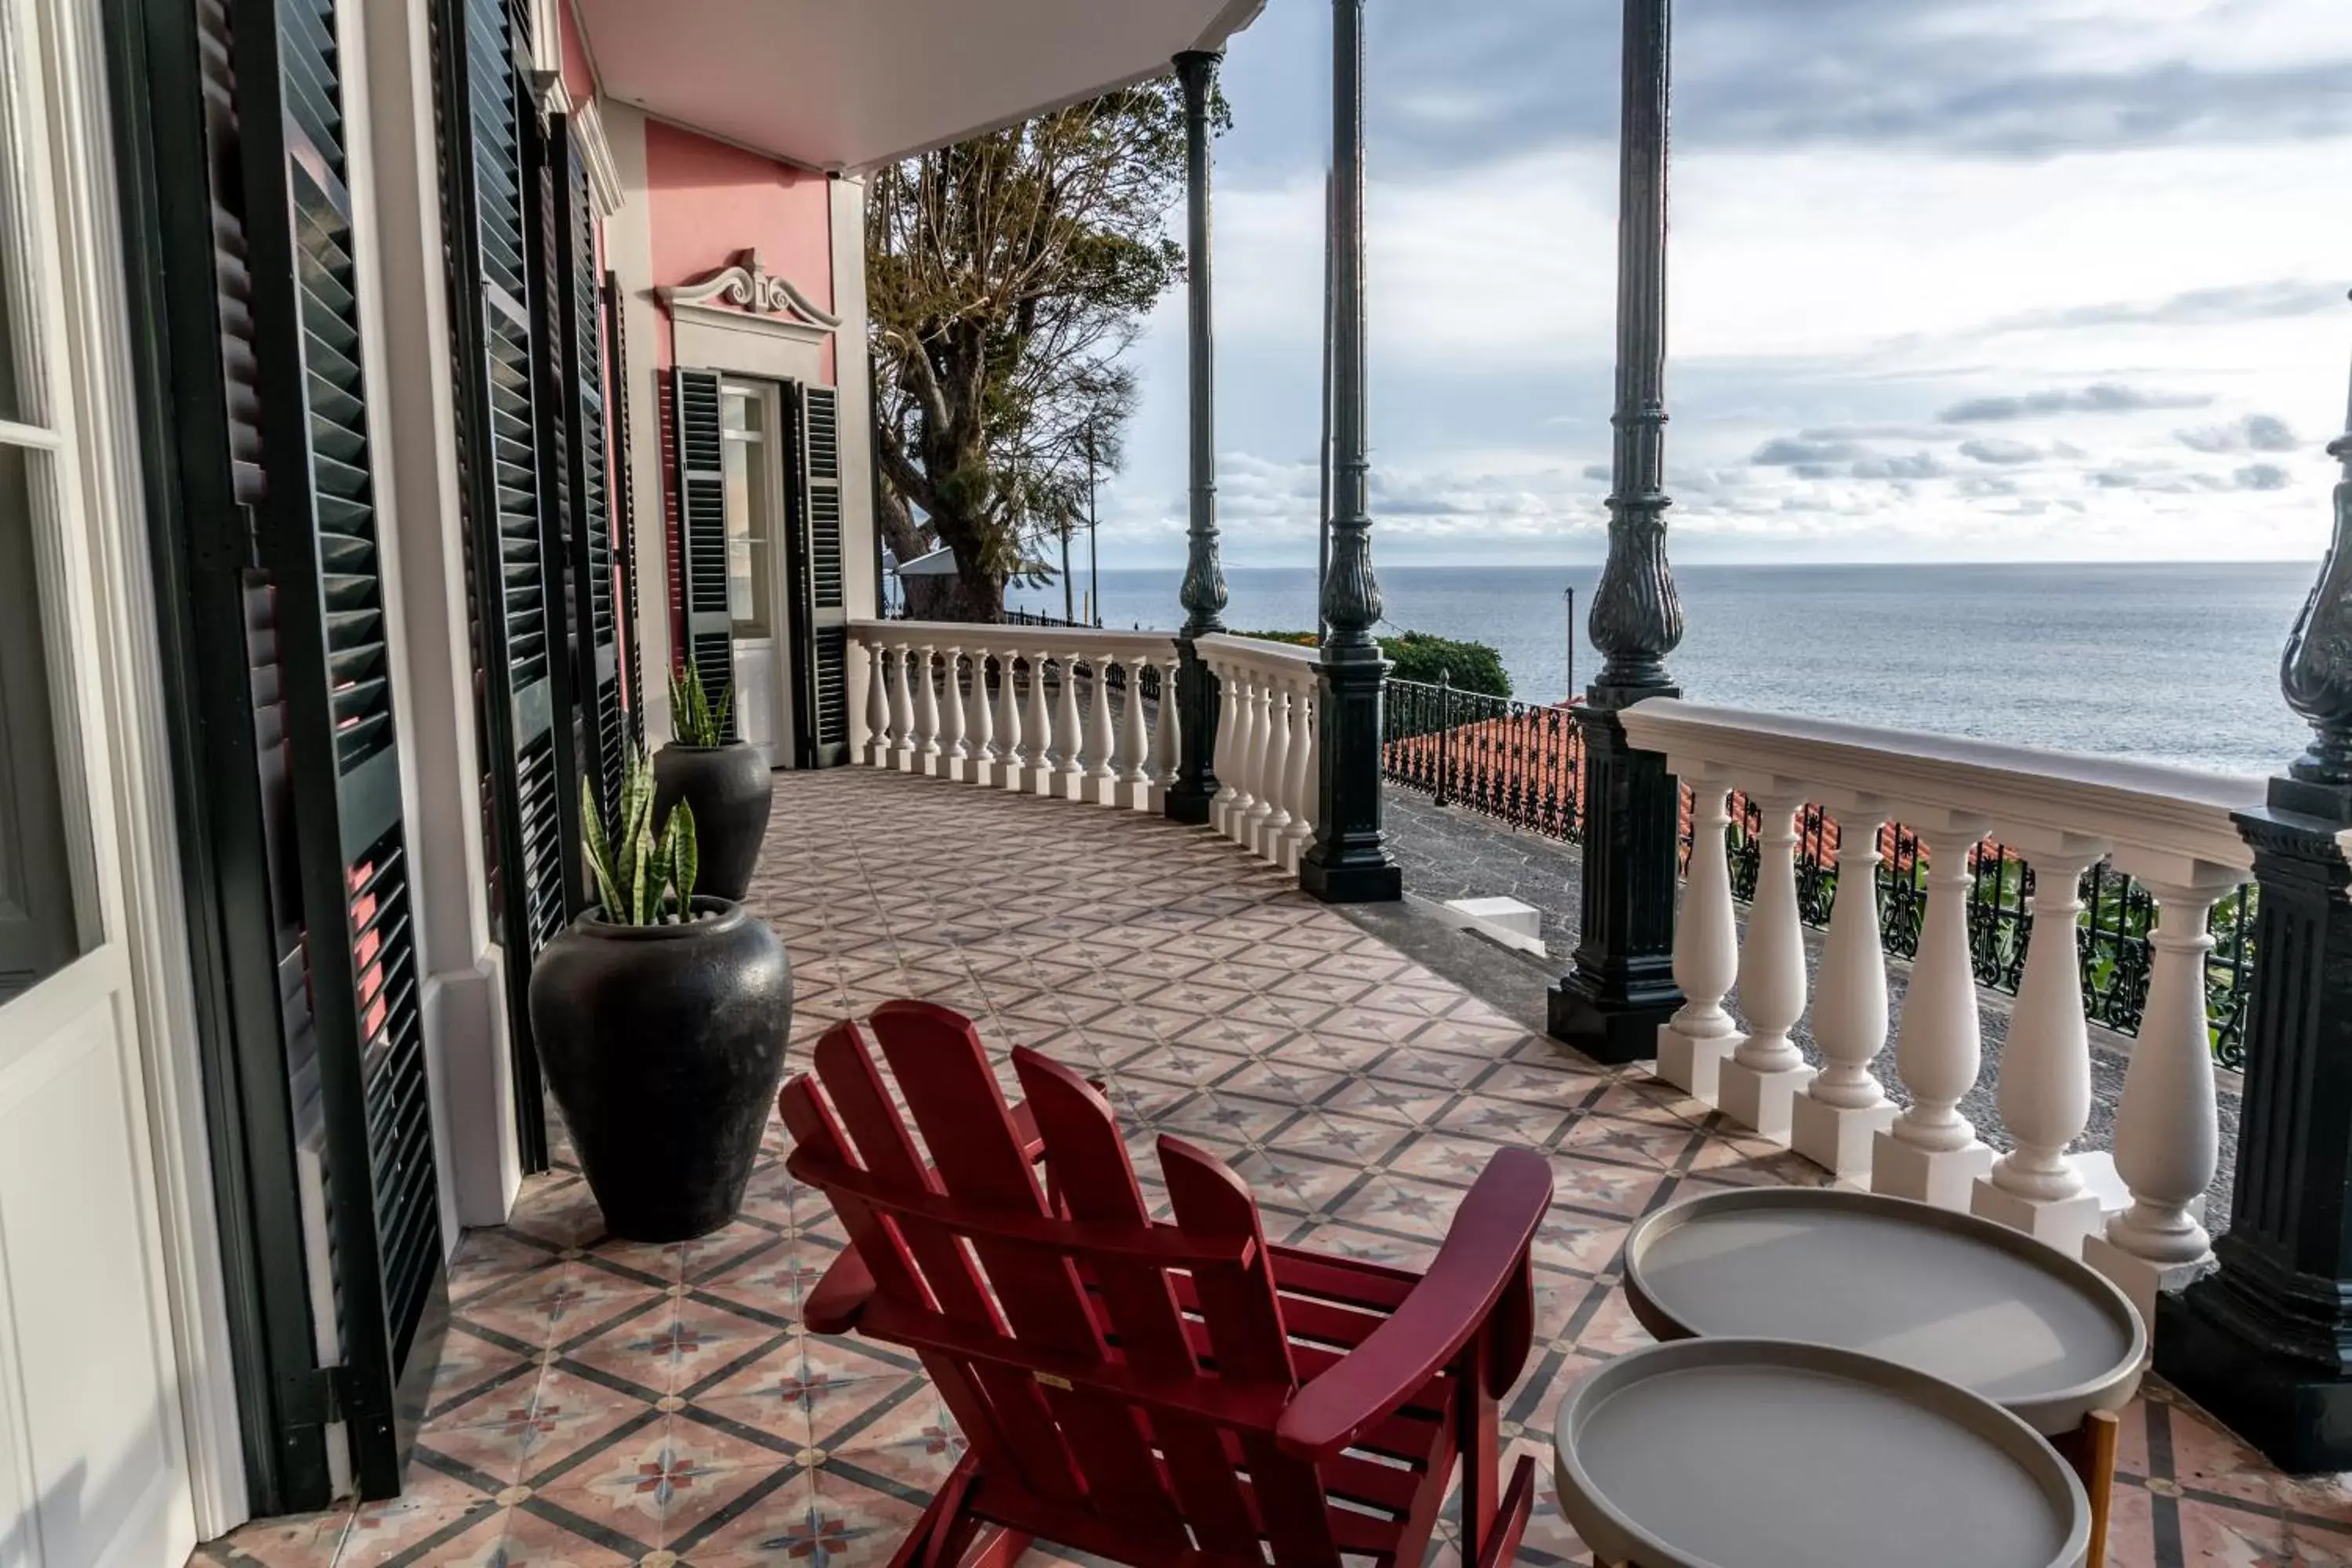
{"x":1470,"y":666}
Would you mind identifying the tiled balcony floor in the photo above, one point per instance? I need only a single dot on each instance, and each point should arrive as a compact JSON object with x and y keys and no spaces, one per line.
{"x":601,"y":1403}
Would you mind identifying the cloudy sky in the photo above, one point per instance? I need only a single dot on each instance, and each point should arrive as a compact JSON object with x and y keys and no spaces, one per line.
{"x":1970,"y":280}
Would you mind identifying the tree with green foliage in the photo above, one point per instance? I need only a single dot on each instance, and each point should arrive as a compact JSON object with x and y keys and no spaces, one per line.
{"x":1005,"y":277}
{"x":1418,"y":656}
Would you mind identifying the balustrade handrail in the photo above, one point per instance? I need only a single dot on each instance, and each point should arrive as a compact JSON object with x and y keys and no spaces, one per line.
{"x":1265,"y":653}
{"x":2168,"y":823}
{"x":990,"y":634}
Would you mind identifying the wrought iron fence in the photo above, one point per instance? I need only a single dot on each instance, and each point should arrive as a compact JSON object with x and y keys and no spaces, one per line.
{"x":1522,"y":763}
{"x":1517,"y":762}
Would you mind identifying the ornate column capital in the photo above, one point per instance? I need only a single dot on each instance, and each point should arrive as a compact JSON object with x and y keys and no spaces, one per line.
{"x":2315,"y":672}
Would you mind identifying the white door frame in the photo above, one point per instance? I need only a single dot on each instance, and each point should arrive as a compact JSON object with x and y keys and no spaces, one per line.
{"x":118,"y":661}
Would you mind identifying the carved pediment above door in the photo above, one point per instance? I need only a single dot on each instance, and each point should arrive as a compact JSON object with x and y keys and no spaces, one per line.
{"x":744,"y":294}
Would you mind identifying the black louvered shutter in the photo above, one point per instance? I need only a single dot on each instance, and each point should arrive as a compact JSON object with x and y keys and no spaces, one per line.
{"x":625,"y":510}
{"x":490,"y":196}
{"x":825,"y":691}
{"x":316,"y":539}
{"x":700,"y":489}
{"x":602,"y":751}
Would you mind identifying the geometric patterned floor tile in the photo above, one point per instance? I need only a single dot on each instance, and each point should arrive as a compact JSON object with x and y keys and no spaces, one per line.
{"x":599,"y":1403}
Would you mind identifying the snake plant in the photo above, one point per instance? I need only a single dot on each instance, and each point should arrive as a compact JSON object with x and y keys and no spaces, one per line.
{"x":693,"y":720}
{"x":645,"y":875}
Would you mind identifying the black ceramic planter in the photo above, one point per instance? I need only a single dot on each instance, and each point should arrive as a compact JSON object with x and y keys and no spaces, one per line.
{"x":731,"y":790}
{"x":664,"y":1047}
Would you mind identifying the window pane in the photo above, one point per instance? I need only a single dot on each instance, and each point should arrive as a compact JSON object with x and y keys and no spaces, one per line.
{"x":38,"y":930}
{"x":746,"y":538}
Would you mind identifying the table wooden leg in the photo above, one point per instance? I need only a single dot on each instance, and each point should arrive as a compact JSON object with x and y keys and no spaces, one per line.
{"x":2090,"y":1449}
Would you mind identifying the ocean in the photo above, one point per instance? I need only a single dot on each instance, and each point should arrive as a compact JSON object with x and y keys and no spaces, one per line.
{"x":2166,"y":663}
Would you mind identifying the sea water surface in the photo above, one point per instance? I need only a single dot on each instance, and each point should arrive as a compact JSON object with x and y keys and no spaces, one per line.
{"x":2165,"y":663}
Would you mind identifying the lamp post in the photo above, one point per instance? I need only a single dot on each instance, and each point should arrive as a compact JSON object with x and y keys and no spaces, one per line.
{"x":1349,"y":860}
{"x":1203,"y":592}
{"x":1622,"y":986}
{"x":2265,"y":1341}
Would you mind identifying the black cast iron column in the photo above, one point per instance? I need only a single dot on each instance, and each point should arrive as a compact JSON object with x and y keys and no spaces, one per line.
{"x":1623,"y":986}
{"x":2265,"y":1340}
{"x":1203,"y":593}
{"x":1349,"y":863}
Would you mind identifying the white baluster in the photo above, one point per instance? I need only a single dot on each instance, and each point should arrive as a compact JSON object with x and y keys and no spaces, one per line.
{"x":1069,"y":736}
{"x":2168,"y":1134}
{"x":877,"y":708}
{"x":955,"y":754}
{"x":1766,"y":1069}
{"x":1042,"y":769}
{"x":1100,"y":785}
{"x":902,"y":709}
{"x":1250,"y":786}
{"x":1226,"y":750}
{"x":1134,"y":740}
{"x":926,"y":713}
{"x":1167,"y":731}
{"x":1010,"y":759}
{"x":1695,"y":1042}
{"x":1307,"y":706}
{"x":980,"y":724}
{"x":1271,"y":813}
{"x":1931,"y":1152}
{"x":1834,"y":1120}
{"x":2045,"y":1069}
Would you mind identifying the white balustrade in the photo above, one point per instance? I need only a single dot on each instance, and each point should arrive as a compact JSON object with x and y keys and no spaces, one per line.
{"x":1050,"y":725}
{"x":980,"y":724}
{"x":1041,"y":769}
{"x":1302,"y":784}
{"x":902,"y":708}
{"x":1010,"y":757}
{"x":1167,"y":730}
{"x":1693,"y":1043}
{"x":955,"y":753}
{"x":878,"y":707}
{"x":1282,"y":716}
{"x":1135,"y":792}
{"x":1834,"y":1120}
{"x":1766,"y":1069}
{"x":927,"y":709}
{"x":2137,"y":1215}
{"x":2045,"y":1066}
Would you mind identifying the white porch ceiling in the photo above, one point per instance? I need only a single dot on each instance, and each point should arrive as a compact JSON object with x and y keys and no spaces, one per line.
{"x":851,"y":84}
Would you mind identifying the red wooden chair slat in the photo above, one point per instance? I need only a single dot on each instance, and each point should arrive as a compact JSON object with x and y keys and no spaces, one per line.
{"x":1175,"y":1395}
{"x":944,"y":1073}
{"x":1098,"y":1184}
{"x":1015,"y":1409}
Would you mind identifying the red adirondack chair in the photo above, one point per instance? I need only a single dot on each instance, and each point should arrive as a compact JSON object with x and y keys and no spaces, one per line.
{"x":1158,"y":1393}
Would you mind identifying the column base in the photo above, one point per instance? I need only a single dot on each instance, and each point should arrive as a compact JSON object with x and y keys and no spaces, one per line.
{"x":1839,"y":1138}
{"x":2064,"y":1224}
{"x":1138,"y":795}
{"x":1102,"y":789}
{"x":933,"y":764}
{"x":875,"y":754}
{"x":1943,"y":1177}
{"x":2140,"y":1280}
{"x":2266,"y":1368}
{"x":1377,"y":883}
{"x":1693,"y":1065}
{"x":959,"y":770}
{"x":1758,"y":1100}
{"x":1262,"y":836}
{"x":1612,"y":1028}
{"x":1221,"y":816}
{"x":1038,"y":778}
{"x":987,"y":772}
{"x":903,"y":763}
{"x":1178,"y":804}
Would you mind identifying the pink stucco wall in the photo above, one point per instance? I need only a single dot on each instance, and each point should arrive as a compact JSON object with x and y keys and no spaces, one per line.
{"x":707,"y":201}
{"x":578,"y":80}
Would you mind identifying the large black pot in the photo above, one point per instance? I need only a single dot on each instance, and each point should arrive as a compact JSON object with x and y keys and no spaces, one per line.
{"x":663,"y":1045}
{"x":731,"y":790}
